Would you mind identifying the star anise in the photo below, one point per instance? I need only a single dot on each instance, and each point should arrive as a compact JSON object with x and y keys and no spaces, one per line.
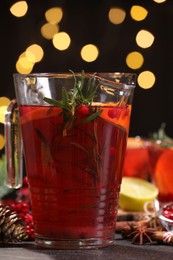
{"x":141,"y":234}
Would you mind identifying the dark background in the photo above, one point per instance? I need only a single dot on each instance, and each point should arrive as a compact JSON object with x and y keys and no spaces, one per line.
{"x":87,"y":22}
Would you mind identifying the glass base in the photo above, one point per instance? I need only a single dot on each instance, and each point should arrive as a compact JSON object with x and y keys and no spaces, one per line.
{"x":92,"y":243}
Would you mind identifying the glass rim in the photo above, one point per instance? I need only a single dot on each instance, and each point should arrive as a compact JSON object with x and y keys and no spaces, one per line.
{"x":125,"y":79}
{"x":56,"y":74}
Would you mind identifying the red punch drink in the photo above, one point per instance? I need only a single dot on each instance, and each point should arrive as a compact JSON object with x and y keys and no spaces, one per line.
{"x":74,"y":179}
{"x":136,"y":158}
{"x":74,"y":130}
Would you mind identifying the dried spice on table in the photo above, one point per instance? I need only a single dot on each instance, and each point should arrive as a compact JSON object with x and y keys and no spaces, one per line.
{"x":139,"y":233}
{"x":142,"y":230}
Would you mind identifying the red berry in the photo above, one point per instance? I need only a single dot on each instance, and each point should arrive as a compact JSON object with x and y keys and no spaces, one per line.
{"x":19,"y":206}
{"x":30,"y":231}
{"x":25,"y":208}
{"x":126,"y":112}
{"x":13,"y":206}
{"x":114,"y":112}
{"x":28,"y":218}
{"x":21,"y":215}
{"x":83,"y":110}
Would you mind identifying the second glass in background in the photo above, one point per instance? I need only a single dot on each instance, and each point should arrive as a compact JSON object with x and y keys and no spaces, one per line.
{"x":136,"y":163}
{"x":152,"y":159}
{"x":161,"y":168}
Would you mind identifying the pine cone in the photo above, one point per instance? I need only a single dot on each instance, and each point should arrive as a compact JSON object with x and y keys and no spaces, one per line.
{"x":12,"y":228}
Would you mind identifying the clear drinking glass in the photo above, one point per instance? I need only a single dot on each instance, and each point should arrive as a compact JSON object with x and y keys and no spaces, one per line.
{"x":74,"y":130}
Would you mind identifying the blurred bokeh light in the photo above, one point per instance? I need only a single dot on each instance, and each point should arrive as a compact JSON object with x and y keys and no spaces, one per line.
{"x":146,"y":79}
{"x":61,"y":41}
{"x":48,"y":30}
{"x":144,"y":38}
{"x":54,"y":15}
{"x":89,"y":53}
{"x":19,"y":8}
{"x":4,"y":102}
{"x":2,"y":141}
{"x":159,"y":1}
{"x":116,"y":15}
{"x":134,"y":60}
{"x":34,"y":53}
{"x":138,"y":13}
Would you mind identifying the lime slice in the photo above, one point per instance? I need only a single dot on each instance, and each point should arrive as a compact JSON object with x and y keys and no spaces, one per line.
{"x":135,"y":192}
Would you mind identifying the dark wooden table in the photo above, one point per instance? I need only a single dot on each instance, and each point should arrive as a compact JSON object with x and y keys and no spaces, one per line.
{"x":120,"y":250}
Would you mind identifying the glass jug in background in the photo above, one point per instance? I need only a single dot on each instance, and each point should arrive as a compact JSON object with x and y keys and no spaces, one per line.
{"x":73,"y":128}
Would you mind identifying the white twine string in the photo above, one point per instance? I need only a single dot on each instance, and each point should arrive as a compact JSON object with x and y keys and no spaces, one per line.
{"x":167,"y":237}
{"x":151,"y":208}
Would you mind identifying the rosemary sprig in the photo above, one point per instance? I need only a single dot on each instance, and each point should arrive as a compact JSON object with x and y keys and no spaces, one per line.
{"x":90,"y":118}
{"x":82,"y":93}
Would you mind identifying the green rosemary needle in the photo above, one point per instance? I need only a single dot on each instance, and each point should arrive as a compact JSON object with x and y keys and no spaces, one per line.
{"x":82,"y":94}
